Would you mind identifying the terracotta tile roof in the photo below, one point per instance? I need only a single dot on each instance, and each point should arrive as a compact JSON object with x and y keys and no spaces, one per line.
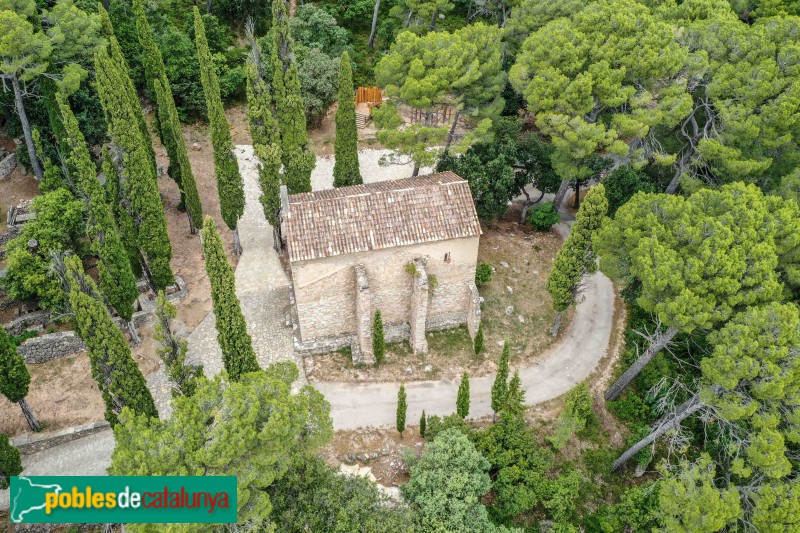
{"x":380,"y":215}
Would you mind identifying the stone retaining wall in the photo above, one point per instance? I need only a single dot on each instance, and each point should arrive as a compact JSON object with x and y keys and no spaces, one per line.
{"x":29,"y":443}
{"x":51,"y":346}
{"x":7,"y":165}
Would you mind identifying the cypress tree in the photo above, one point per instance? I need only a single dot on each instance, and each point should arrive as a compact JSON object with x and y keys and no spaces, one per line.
{"x":115,"y":52}
{"x":15,"y":378}
{"x":298,"y":160}
{"x":400,"y":422}
{"x":500,"y":385}
{"x":423,"y":423}
{"x":113,"y":368}
{"x":576,"y":256}
{"x":266,"y":139}
{"x":229,"y":181}
{"x":237,"y":348}
{"x":173,"y":350}
{"x":477,"y":343}
{"x":515,"y":399}
{"x":119,"y":206}
{"x":378,"y":338}
{"x":462,"y":400}
{"x":117,"y":280}
{"x":179,"y":167}
{"x":10,"y":461}
{"x":152,"y":62}
{"x":346,"y":170}
{"x":138,"y":186}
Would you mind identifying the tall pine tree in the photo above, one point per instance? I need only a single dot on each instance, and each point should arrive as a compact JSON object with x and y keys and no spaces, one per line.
{"x":346,"y":170}
{"x":117,"y":281}
{"x":167,"y":125}
{"x":462,"y":399}
{"x":298,"y":160}
{"x":113,"y":368}
{"x":115,"y":52}
{"x":576,"y":256}
{"x":229,"y":181}
{"x":179,"y":167}
{"x":266,"y":139}
{"x":138,"y":186}
{"x":402,"y":406}
{"x":500,"y":385}
{"x":235,"y":342}
{"x":15,"y":378}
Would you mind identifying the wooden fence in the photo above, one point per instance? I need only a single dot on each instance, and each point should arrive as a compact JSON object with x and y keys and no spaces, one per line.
{"x":369,"y":95}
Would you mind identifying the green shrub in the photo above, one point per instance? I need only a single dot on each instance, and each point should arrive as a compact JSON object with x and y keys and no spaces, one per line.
{"x":477,"y":344}
{"x":483,"y":273}
{"x":436,"y":425}
{"x":577,"y":411}
{"x":16,"y":340}
{"x":543,"y":217}
{"x":378,"y":340}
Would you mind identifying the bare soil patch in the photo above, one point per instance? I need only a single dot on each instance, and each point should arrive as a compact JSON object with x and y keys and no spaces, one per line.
{"x":15,"y":189}
{"x":380,"y":449}
{"x":516,"y":308}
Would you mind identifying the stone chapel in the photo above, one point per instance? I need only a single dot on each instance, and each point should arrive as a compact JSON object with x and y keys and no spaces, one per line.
{"x":406,"y":247}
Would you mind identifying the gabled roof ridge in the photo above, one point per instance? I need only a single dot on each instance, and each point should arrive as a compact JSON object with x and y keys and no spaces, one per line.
{"x":380,"y":215}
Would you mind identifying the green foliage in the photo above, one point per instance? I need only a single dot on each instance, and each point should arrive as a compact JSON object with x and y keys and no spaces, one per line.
{"x":500,"y":385}
{"x":447,"y":484}
{"x":251,"y":428}
{"x":167,"y":122}
{"x":483,"y":273}
{"x":744,"y":131}
{"x":378,"y":339}
{"x":622,"y":183}
{"x":14,"y":376}
{"x":138,"y":190}
{"x":515,"y":396}
{"x":235,"y":342}
{"x":462,"y":69}
{"x":543,"y":217}
{"x":491,"y":182}
{"x":58,"y":226}
{"x":298,"y":160}
{"x":120,"y":381}
{"x":477,"y":342}
{"x":666,"y":244}
{"x":423,"y":423}
{"x":689,"y":500}
{"x":180,"y":168}
{"x":117,"y":281}
{"x":173,"y":350}
{"x":592,"y":95}
{"x":636,"y":511}
{"x":10,"y":461}
{"x":229,"y":181}
{"x":462,"y":399}
{"x":402,"y":406}
{"x":436,"y":425}
{"x":266,"y":140}
{"x":312,"y":497}
{"x":345,"y":169}
{"x":577,"y":257}
{"x":519,"y":467}
{"x":16,"y":340}
{"x":749,"y":379}
{"x":577,"y":412}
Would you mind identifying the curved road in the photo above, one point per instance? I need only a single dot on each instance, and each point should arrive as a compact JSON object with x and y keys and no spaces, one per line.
{"x":566,"y":364}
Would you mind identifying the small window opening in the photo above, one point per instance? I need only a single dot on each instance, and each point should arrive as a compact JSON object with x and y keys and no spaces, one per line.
{"x":447,"y":257}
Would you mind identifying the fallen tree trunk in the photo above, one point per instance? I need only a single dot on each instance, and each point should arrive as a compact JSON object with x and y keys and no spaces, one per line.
{"x":657,"y":343}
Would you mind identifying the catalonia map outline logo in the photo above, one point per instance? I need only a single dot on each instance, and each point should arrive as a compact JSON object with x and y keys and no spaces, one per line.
{"x":122,"y":499}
